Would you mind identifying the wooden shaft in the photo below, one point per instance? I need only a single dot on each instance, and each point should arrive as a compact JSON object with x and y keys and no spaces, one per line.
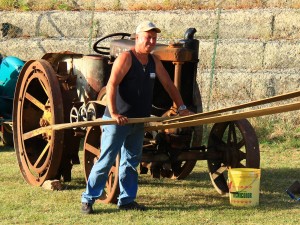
{"x":286,"y":96}
{"x":97,"y":122}
{"x":161,"y":123}
{"x":225,"y":118}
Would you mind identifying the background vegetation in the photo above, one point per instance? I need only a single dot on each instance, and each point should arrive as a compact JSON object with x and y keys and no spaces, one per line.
{"x":25,"y":5}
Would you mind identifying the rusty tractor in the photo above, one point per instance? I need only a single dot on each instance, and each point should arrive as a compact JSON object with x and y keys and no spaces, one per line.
{"x":60,"y":98}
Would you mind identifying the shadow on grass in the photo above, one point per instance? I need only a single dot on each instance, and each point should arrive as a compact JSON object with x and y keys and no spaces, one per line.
{"x":273,"y":184}
{"x":6,"y":148}
{"x":75,"y":184}
{"x":197,"y":192}
{"x":272,"y":180}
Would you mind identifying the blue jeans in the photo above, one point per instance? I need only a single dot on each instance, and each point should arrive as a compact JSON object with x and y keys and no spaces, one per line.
{"x":128,"y":140}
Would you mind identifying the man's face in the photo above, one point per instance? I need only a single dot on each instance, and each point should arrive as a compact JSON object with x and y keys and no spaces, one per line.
{"x":146,"y":41}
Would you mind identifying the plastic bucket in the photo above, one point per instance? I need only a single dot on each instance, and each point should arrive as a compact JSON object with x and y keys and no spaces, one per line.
{"x":244,"y":185}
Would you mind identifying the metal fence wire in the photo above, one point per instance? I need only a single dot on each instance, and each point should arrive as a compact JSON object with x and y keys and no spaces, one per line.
{"x":247,"y":52}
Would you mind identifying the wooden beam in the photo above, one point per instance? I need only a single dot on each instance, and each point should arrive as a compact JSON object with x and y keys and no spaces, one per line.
{"x":282,"y":97}
{"x":97,"y":122}
{"x":228,"y":117}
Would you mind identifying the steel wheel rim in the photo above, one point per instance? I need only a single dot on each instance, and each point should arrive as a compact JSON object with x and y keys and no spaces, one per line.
{"x":91,"y":154}
{"x":182,"y":169}
{"x":37,"y":103}
{"x":246,"y":153}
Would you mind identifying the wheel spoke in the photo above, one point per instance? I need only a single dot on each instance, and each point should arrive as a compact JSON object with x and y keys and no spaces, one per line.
{"x":113,"y":169}
{"x":36,"y":132}
{"x":242,"y":155}
{"x":45,"y":150}
{"x":218,"y":172}
{"x":35,"y":101}
{"x":240,"y":144}
{"x":240,"y":165}
{"x":92,"y":149}
{"x":217,"y":140}
{"x":232,"y":137}
{"x":41,"y":82}
{"x":109,"y":183}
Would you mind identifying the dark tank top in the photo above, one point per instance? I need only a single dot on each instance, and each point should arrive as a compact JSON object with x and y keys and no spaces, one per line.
{"x":135,"y":92}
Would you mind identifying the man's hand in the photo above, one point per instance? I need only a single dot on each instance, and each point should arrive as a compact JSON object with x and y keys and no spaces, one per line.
{"x":121,"y":120}
{"x":185,"y":112}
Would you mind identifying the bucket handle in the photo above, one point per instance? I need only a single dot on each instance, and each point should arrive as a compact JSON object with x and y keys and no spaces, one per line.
{"x":236,"y":192}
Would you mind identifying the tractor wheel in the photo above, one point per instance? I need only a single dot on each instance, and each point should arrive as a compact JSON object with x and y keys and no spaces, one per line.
{"x":38,"y":103}
{"x":92,"y":152}
{"x":236,"y":141}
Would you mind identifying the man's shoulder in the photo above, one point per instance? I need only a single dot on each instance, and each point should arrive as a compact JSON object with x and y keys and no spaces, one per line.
{"x":124,"y":58}
{"x":125,"y":55}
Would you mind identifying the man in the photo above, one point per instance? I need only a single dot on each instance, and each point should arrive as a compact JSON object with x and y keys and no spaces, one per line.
{"x":129,"y":95}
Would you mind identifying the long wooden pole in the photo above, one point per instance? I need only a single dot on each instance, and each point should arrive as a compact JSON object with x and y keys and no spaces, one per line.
{"x":282,"y":97}
{"x":97,"y":122}
{"x":228,"y":117}
{"x":159,"y":123}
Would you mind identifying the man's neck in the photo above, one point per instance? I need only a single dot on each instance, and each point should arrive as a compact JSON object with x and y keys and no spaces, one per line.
{"x":142,"y":57}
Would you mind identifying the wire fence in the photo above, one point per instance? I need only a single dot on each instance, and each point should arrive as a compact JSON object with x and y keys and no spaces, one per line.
{"x":244,"y":54}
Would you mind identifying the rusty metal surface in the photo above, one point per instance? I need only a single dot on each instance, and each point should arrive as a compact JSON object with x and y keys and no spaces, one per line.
{"x":238,"y":145}
{"x":92,"y":74}
{"x":172,"y":52}
{"x":44,"y":98}
{"x":37,"y":103}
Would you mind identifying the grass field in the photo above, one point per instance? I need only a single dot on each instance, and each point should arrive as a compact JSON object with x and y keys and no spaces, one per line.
{"x":189,"y":201}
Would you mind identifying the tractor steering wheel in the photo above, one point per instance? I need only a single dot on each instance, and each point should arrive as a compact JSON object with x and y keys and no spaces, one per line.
{"x":99,"y":49}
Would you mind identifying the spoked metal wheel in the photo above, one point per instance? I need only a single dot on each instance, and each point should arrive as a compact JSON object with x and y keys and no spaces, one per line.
{"x":181,"y":169}
{"x":176,"y":141}
{"x":91,"y":155}
{"x":237,"y":145}
{"x":37,"y":103}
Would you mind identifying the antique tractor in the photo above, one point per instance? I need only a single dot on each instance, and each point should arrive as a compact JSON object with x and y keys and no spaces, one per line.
{"x":10,"y":68}
{"x":67,"y":87}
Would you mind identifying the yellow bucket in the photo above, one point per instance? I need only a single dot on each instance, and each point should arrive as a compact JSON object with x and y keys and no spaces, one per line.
{"x":244,"y":186}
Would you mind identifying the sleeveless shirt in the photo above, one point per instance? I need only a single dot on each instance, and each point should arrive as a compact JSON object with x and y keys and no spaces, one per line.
{"x":135,"y":92}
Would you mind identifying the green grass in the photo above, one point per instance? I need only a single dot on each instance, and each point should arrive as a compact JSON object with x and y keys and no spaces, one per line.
{"x":189,"y":201}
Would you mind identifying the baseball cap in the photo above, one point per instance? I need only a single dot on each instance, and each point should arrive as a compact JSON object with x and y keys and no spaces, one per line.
{"x":146,"y":26}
